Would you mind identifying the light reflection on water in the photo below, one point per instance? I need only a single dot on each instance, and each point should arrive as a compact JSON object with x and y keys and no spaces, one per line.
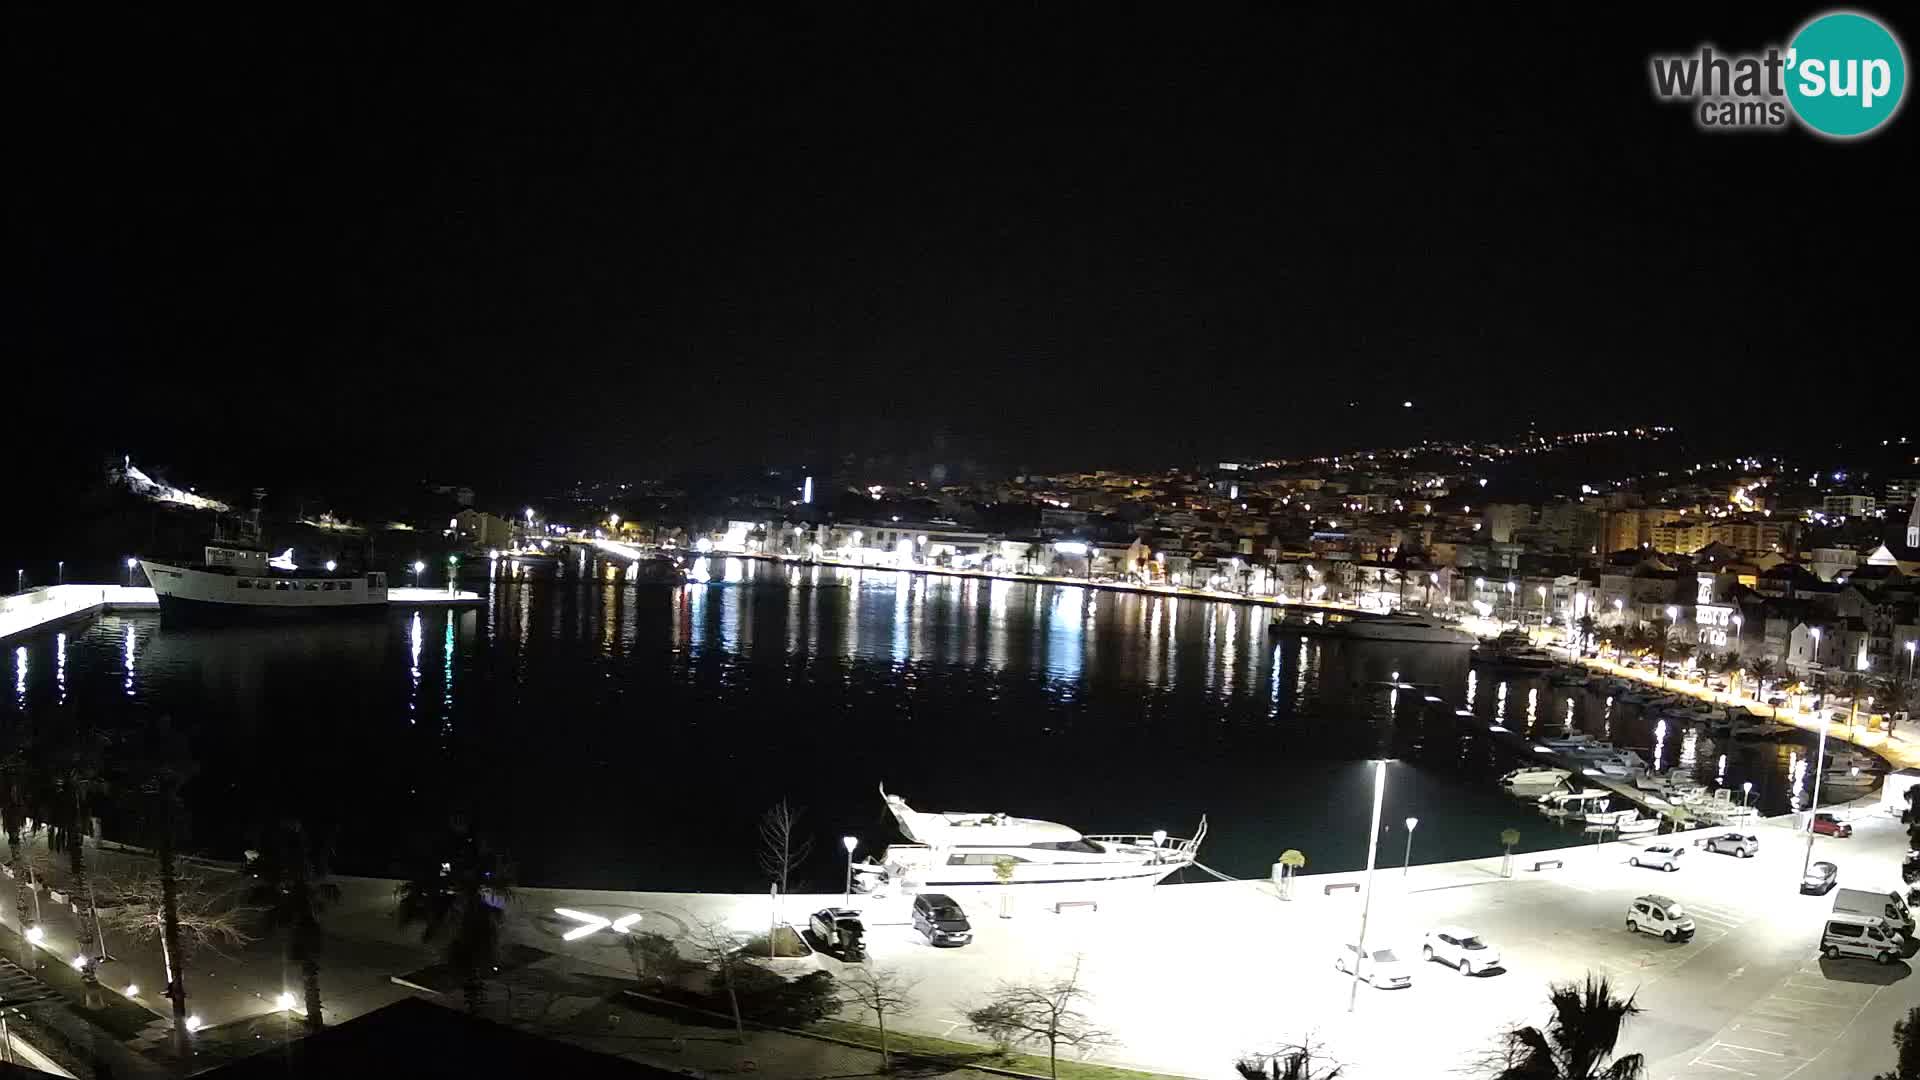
{"x":630,"y":735}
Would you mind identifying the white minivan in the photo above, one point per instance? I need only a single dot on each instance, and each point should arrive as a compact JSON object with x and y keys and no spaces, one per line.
{"x":1870,"y":938}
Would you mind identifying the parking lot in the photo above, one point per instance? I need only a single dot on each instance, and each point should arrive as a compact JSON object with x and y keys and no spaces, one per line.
{"x":1188,"y":977}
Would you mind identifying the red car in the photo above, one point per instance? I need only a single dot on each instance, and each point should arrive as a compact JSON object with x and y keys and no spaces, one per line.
{"x":1828,"y":825}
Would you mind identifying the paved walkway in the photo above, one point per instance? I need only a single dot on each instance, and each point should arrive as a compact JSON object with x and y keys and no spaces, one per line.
{"x":1901,"y":749}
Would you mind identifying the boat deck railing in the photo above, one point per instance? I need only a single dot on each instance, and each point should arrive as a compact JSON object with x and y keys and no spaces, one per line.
{"x":1171,"y":844}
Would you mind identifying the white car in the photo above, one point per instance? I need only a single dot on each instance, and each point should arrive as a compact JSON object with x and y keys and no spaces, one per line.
{"x":1661,"y":916}
{"x":1463,"y":949}
{"x":1658,"y":856}
{"x":1381,"y":968}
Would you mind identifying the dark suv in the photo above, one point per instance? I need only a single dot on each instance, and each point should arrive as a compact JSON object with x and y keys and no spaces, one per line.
{"x":939,"y":917}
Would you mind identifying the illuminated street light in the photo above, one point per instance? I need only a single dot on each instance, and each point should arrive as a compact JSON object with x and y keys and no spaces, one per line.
{"x":850,"y":842}
{"x":1366,"y":905}
{"x":331,"y":565}
{"x":1746,"y":793}
{"x":36,"y":936}
{"x":131,"y":563}
{"x":1407,"y":860}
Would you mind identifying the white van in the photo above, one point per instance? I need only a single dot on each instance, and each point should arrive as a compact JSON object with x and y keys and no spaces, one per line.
{"x":1871,"y":938}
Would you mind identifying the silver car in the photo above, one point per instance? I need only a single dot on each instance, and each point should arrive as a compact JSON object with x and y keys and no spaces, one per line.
{"x":1659,"y":856}
{"x":1739,"y":845}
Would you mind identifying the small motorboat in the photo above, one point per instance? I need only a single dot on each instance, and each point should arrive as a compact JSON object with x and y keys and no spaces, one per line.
{"x":1535,"y":776}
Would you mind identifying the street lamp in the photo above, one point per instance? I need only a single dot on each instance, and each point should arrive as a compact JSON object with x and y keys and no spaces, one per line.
{"x":1746,"y":794}
{"x":1819,"y":768}
{"x":850,"y":842}
{"x":417,"y":567}
{"x":1542,"y":590}
{"x":1366,"y":905}
{"x":131,"y":561}
{"x":1910,"y":646}
{"x":453,"y":567}
{"x":331,"y":565}
{"x":1407,"y":859}
{"x":60,"y":572}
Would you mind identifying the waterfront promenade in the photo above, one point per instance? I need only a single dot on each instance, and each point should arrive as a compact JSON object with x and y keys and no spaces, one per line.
{"x":48,"y":605}
{"x":1189,"y":976}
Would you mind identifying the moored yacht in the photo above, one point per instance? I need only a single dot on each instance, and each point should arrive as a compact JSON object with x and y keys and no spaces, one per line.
{"x":1535,"y":777}
{"x":1409,"y":628}
{"x":235,"y":582}
{"x":960,"y":848}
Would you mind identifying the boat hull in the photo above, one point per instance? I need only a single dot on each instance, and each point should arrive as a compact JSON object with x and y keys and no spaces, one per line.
{"x":179,"y":609}
{"x":188,"y":594}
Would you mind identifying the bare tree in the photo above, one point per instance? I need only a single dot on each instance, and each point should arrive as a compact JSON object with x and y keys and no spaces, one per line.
{"x":880,"y":991}
{"x":1036,"y":1012}
{"x":187,"y":911}
{"x":782,"y":852}
{"x":1304,"y":1060}
{"x":721,"y":949}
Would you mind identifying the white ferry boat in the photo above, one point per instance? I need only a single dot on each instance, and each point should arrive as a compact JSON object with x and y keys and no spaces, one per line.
{"x":236,"y":583}
{"x":961,"y":848}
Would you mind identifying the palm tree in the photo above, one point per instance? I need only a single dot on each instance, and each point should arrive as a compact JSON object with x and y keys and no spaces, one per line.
{"x":1857,"y":687}
{"x":1763,"y":670}
{"x":1659,"y":632}
{"x":1508,"y":838}
{"x":165,"y":763}
{"x":1579,"y":1039}
{"x":75,"y":764}
{"x":1587,"y":625}
{"x":459,"y":897}
{"x":290,"y":881}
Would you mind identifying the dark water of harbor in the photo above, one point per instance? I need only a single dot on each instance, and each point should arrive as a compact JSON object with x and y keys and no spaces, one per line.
{"x":629,"y":737}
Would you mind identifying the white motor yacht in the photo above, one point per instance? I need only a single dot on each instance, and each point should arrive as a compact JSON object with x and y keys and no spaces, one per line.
{"x":1535,"y":776}
{"x":1409,"y":628}
{"x":960,"y":848}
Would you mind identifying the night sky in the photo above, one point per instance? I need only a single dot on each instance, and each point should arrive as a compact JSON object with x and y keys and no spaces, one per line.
{"x":514,"y":247}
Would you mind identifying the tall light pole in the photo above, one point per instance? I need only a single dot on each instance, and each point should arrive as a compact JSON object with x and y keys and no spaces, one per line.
{"x":1366,"y":905}
{"x":417,"y":567}
{"x":849,"y":842}
{"x":1910,"y":646}
{"x":1407,"y":859}
{"x":1544,"y":617}
{"x":453,"y":567}
{"x":131,"y":561}
{"x":1819,"y":767}
{"x":1746,"y":794}
{"x":60,"y":578}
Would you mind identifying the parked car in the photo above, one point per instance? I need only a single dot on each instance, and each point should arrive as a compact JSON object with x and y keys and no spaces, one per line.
{"x":1380,"y":967}
{"x":839,"y":932}
{"x":1461,"y":948}
{"x":1819,"y":878}
{"x":1658,"y":856}
{"x":1660,"y":916}
{"x":1739,"y":845}
{"x":1828,"y":825}
{"x":1857,"y":937}
{"x":940,"y":919}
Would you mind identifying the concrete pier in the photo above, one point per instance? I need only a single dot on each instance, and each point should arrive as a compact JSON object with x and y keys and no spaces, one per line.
{"x":36,"y":609}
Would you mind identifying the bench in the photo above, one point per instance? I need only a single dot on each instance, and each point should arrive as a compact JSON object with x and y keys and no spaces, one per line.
{"x":1545,"y":863}
{"x":1327,"y":890}
{"x":1060,"y":907}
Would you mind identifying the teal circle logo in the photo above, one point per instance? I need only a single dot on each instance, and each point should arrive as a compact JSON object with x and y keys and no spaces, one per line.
{"x":1845,"y":74}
